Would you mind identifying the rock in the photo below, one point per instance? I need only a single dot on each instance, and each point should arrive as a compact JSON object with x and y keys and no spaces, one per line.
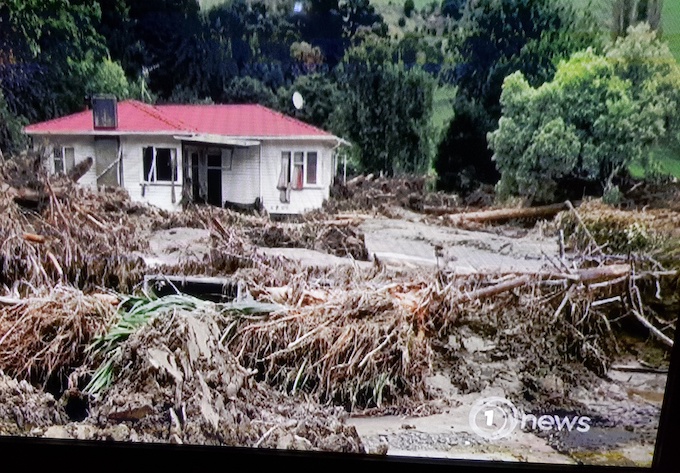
{"x":552,"y":384}
{"x":119,"y":433}
{"x":84,"y":432}
{"x":57,"y":432}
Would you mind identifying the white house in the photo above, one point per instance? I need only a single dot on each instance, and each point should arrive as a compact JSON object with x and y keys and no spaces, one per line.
{"x":219,"y":154}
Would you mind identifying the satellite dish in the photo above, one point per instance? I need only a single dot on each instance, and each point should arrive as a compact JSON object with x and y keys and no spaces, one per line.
{"x":298,"y":101}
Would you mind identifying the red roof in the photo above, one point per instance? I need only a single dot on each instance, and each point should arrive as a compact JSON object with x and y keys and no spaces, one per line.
{"x":227,"y":120}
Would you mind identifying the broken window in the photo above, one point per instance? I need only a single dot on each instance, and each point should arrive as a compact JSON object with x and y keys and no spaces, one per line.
{"x":160,"y":164}
{"x":64,"y":159}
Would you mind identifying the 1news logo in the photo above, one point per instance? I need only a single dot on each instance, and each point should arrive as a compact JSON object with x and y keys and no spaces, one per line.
{"x":494,"y":418}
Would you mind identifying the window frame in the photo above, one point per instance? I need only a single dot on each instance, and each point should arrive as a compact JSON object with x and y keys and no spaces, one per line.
{"x":151,"y":177}
{"x":62,"y":159}
{"x":304,"y":168}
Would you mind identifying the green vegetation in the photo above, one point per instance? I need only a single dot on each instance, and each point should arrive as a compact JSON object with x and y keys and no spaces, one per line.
{"x":671,"y":26}
{"x":597,"y":116}
{"x":225,"y":51}
{"x":666,"y":159}
{"x":463,"y":157}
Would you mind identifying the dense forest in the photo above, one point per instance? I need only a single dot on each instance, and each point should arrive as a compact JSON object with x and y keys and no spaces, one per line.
{"x":506,"y":92}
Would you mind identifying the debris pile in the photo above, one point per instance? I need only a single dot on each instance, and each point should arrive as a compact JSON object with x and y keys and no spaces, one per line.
{"x":598,"y":227}
{"x":180,"y":384}
{"x":347,"y":338}
{"x":24,"y":407}
{"x":371,"y":193}
{"x":45,"y":336}
{"x":349,"y":347}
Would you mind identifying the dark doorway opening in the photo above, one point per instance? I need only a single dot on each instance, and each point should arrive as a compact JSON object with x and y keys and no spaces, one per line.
{"x":215,"y":179}
{"x":206,"y":177}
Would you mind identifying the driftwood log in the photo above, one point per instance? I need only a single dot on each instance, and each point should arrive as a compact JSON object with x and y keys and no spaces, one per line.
{"x":80,"y":169}
{"x":500,"y":215}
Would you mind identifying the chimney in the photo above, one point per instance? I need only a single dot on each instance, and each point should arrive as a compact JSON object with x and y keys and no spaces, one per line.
{"x":105,"y":112}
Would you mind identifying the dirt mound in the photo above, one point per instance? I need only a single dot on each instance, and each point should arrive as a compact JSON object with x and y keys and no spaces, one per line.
{"x":23,"y":408}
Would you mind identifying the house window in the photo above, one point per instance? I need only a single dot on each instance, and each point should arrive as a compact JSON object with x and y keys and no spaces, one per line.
{"x":160,"y":164}
{"x":64,"y":159}
{"x":311,"y":167}
{"x":298,"y":169}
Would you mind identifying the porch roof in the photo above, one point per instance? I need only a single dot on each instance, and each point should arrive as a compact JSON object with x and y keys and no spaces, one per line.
{"x":217,"y":139}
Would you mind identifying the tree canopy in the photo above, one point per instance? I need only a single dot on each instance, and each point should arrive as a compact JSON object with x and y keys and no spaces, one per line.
{"x":495,"y":39}
{"x":600,"y":113}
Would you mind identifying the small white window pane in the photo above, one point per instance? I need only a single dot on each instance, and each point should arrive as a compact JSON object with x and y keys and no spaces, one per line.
{"x":69,"y":158}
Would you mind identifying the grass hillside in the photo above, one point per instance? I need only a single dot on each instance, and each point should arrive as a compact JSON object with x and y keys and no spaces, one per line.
{"x":670,"y":18}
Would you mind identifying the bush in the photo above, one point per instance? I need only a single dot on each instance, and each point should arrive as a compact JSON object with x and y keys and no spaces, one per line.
{"x":402,"y":21}
{"x":409,"y":6}
{"x":588,"y":124}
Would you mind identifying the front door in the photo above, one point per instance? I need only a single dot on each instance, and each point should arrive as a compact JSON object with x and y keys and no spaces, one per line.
{"x":206,"y":176}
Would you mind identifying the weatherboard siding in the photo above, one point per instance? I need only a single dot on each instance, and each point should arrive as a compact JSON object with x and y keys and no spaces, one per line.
{"x":158,"y":194}
{"x":83,"y":148}
{"x":241,"y":183}
{"x":301,"y":201}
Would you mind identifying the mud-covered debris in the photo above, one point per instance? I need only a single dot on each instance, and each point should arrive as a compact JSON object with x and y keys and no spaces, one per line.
{"x":179,"y":383}
{"x":45,"y":335}
{"x":374,"y":193}
{"x":24,"y":407}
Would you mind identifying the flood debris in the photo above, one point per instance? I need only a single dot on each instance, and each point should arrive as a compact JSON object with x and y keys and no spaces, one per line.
{"x":24,"y":408}
{"x":333,"y":341}
{"x":180,"y":384}
{"x":45,"y":335}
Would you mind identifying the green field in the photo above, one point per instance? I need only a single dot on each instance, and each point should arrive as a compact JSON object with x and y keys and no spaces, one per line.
{"x":668,"y":158}
{"x":670,"y":18}
{"x":442,"y":108}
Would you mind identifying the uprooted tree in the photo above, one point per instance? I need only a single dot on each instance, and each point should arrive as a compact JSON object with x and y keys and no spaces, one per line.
{"x":597,"y":116}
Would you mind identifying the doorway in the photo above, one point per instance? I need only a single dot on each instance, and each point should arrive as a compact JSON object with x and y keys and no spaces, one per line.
{"x":215,"y":179}
{"x":206,"y":176}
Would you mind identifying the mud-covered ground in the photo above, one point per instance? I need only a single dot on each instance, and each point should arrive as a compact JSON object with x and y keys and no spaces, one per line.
{"x":388,"y":326}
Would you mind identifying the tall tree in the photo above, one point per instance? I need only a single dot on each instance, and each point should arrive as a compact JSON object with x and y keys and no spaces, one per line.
{"x":386,"y":110}
{"x":626,"y":13}
{"x":496,"y":38}
{"x":43,"y":45}
{"x":598,"y":115}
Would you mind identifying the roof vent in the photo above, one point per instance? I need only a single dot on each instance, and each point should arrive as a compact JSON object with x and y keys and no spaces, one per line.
{"x":105,"y":112}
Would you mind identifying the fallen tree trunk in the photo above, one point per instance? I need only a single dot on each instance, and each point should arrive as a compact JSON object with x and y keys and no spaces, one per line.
{"x":487,"y":292}
{"x":602,"y":273}
{"x":80,"y":169}
{"x":500,"y":215}
{"x":584,"y":276}
{"x":25,"y":195}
